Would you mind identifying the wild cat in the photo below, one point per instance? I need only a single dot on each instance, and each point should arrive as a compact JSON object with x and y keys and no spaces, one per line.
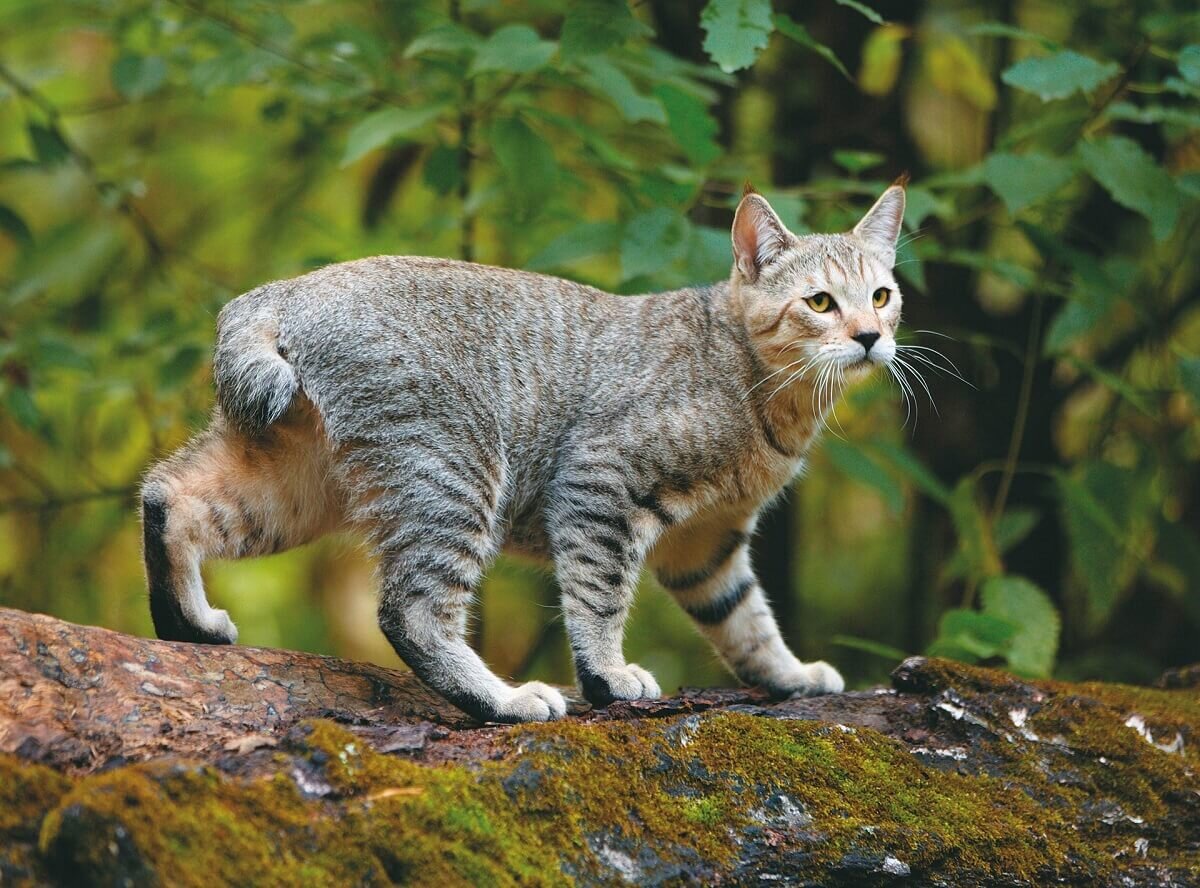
{"x":449,"y":410}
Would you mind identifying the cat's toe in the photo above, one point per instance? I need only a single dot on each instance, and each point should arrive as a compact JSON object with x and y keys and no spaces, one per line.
{"x":819,"y":678}
{"x":532,"y":701}
{"x":630,"y":682}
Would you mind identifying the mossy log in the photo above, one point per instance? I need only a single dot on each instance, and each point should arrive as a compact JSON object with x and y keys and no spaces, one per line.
{"x":125,"y":761}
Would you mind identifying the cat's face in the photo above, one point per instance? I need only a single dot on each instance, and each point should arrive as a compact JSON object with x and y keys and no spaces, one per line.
{"x":819,"y":301}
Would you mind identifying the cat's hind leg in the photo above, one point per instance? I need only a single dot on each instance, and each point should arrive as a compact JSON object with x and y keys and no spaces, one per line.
{"x":435,"y":527}
{"x":225,"y":495}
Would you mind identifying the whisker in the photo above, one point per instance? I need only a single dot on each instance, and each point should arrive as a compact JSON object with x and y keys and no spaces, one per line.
{"x":900,"y":362}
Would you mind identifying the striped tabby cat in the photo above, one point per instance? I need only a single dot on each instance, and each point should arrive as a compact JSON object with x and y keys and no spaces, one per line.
{"x":449,"y":410}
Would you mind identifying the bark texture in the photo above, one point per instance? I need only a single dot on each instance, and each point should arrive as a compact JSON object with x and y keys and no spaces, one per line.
{"x":130,"y":761}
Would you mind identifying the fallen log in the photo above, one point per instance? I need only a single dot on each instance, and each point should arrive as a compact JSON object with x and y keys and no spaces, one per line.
{"x":127,"y":761}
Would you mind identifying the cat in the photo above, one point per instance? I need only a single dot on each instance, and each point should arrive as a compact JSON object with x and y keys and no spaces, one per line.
{"x":448,"y":410}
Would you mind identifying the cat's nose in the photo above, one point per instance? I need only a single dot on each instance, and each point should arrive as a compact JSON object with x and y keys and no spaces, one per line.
{"x":866,"y":340}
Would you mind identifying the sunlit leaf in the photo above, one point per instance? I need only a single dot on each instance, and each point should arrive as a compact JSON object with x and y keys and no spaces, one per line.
{"x":514,"y":49}
{"x":1059,"y":75}
{"x":1022,"y":180}
{"x":955,"y":70}
{"x":857,"y":161}
{"x":1000,"y":29}
{"x":881,"y":58}
{"x":1032,"y":648}
{"x":912,"y":468}
{"x":1134,"y":180}
{"x":736,"y":31}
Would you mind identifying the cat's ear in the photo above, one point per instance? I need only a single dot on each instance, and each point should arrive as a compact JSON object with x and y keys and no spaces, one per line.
{"x":758,"y":235}
{"x":880,"y":228}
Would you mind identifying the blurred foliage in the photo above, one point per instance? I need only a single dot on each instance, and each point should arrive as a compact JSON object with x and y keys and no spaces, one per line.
{"x":157,"y":157}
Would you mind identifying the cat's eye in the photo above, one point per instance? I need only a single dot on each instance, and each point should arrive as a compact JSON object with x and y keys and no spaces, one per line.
{"x":820,"y":303}
{"x":881,"y":298}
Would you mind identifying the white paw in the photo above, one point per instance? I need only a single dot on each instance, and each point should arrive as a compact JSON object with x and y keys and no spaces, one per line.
{"x":218,"y":626}
{"x":814,"y":679}
{"x":532,"y":701}
{"x":632,"y":682}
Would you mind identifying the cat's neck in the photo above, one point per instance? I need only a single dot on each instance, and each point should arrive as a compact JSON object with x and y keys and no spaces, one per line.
{"x":791,"y":407}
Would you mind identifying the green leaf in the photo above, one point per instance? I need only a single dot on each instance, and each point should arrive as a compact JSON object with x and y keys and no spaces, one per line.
{"x":1074,"y":321}
{"x":854,"y":463}
{"x":881,"y":59}
{"x":1059,"y":75}
{"x":385,"y":126}
{"x":611,"y":82}
{"x":585,"y":240}
{"x":48,"y":145}
{"x":1032,"y":648}
{"x":863,"y":10}
{"x":870,"y":647}
{"x":446,"y":39}
{"x":1189,"y":377}
{"x":1096,"y":509}
{"x":514,"y":49}
{"x":1022,"y":180}
{"x":974,"y":531}
{"x":23,"y":409}
{"x":999,"y":29}
{"x":443,"y":169}
{"x":857,"y":161}
{"x":1134,"y":180}
{"x":652,"y":240}
{"x":736,"y":31}
{"x":527,"y":161}
{"x":14,"y":226}
{"x":594,"y":26}
{"x":793,"y":30}
{"x":912,"y":468}
{"x":690,"y":123}
{"x":1189,"y":63}
{"x":136,"y":77}
{"x":979,"y":635}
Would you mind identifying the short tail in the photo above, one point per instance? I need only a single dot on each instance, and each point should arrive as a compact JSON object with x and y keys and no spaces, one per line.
{"x":255,"y":383}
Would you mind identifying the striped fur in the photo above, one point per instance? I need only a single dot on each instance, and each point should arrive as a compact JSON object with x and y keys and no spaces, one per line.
{"x":448,"y":411}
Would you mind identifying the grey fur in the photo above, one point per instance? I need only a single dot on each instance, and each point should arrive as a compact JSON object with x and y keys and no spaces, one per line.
{"x":460,"y":409}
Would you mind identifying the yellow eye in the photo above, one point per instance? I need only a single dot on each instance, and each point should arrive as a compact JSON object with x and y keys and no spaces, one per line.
{"x":881,"y":298}
{"x":820,"y":303}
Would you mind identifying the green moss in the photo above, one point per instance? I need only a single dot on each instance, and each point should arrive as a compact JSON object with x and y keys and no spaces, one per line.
{"x":683,"y":792}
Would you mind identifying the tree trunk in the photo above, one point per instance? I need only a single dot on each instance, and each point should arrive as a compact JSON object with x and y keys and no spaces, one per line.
{"x":125,"y":761}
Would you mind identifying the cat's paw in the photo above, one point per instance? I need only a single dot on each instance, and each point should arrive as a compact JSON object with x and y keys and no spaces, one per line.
{"x":532,"y":701}
{"x":630,"y":682}
{"x":808,"y":680}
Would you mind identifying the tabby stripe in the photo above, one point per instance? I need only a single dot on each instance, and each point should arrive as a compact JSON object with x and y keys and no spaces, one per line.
{"x":680,"y":582}
{"x":617,"y":523}
{"x":716,"y":612}
{"x":651,"y":503}
{"x":598,"y":609}
{"x":596,"y":488}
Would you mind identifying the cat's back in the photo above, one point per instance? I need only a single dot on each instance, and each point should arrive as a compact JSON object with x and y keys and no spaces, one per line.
{"x":436,"y":295}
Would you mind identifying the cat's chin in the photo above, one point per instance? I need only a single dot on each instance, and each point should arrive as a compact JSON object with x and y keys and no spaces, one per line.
{"x":859,"y":370}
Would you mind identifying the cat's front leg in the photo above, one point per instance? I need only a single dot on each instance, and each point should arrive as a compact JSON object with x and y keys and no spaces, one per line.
{"x":597,"y":557}
{"x":725,"y":599}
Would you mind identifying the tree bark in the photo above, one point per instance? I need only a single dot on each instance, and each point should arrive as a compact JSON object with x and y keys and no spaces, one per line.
{"x":130,"y":761}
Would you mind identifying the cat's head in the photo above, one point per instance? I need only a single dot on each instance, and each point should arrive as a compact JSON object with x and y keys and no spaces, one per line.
{"x":823,"y":299}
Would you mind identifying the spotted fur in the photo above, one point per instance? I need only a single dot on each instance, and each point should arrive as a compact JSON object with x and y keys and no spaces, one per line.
{"x":448,"y":410}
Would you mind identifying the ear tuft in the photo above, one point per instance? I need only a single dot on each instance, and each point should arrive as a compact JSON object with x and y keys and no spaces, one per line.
{"x":748,"y":188}
{"x":902,"y":180}
{"x":880,"y":227}
{"x":758,"y":235}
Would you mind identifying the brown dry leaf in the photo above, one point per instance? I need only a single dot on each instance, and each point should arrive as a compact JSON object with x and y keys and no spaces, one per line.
{"x":243,"y":745}
{"x":394,"y":791}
